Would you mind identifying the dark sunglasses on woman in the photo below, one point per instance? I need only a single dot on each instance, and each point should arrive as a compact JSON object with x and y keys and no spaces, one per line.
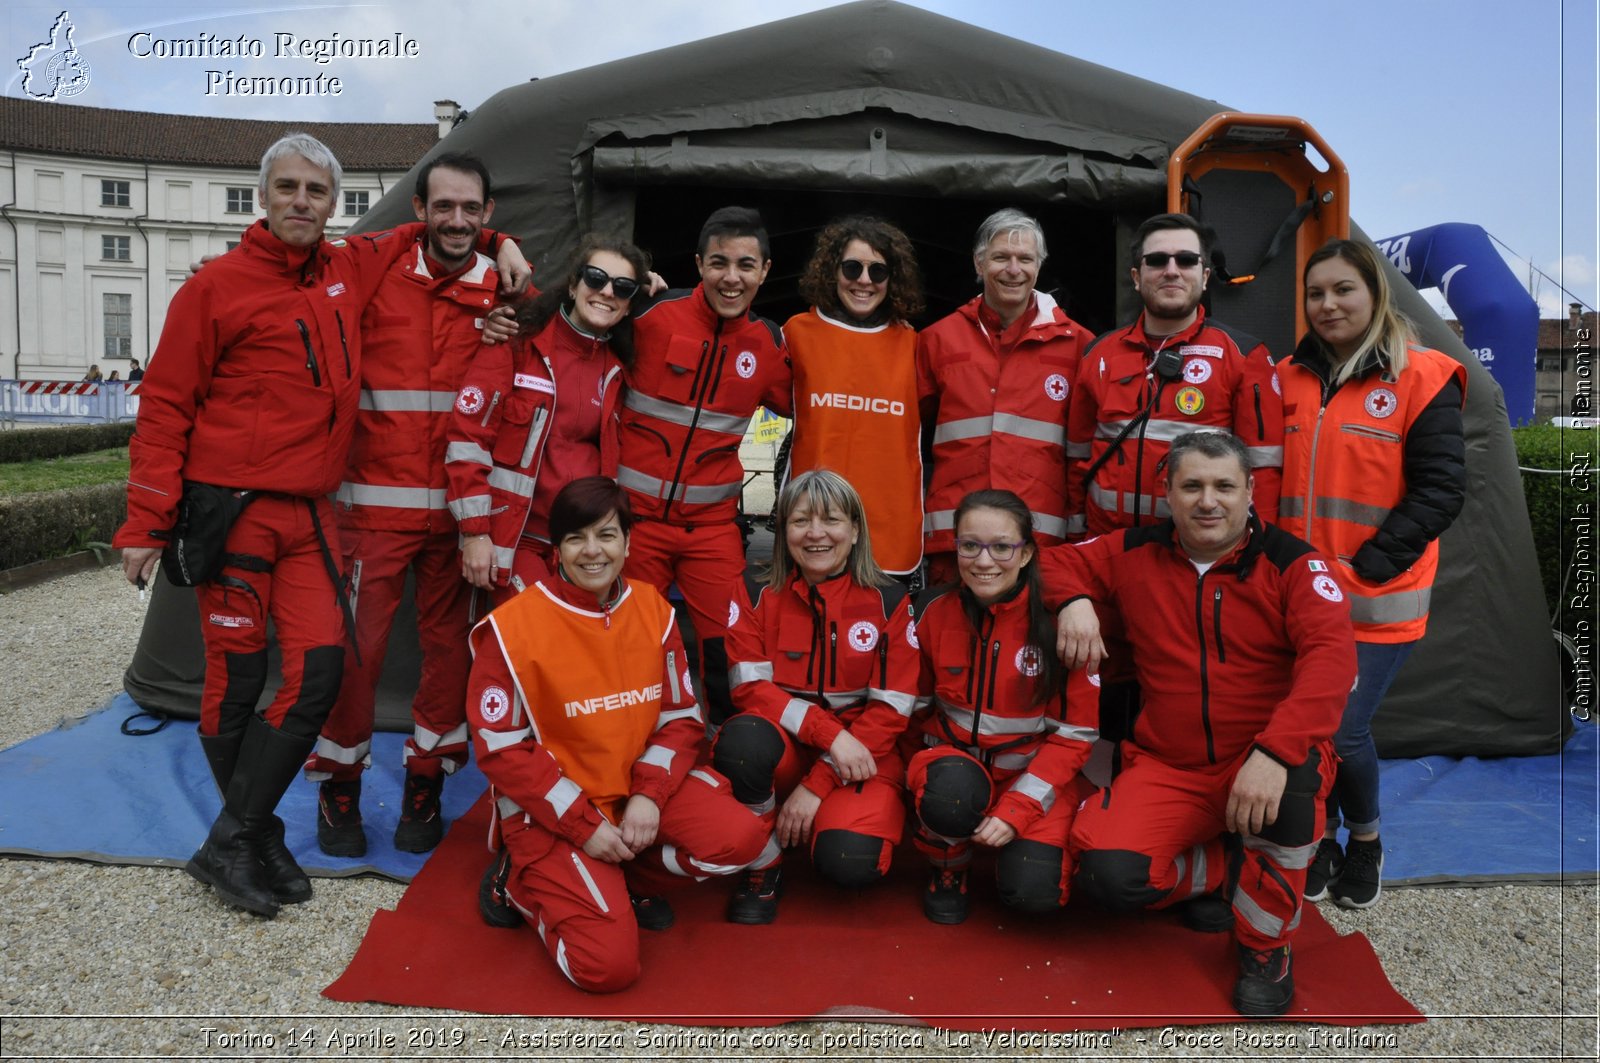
{"x":597,"y":279}
{"x":877,"y":272}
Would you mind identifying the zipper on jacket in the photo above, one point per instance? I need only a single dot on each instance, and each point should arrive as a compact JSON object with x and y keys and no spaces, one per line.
{"x":311,"y":354}
{"x":672,"y":675}
{"x":1216,"y":623}
{"x":833,"y":653}
{"x":1261,"y":425}
{"x":695,"y":389}
{"x":1205,"y":681}
{"x":493,"y":402}
{"x":972,"y":668}
{"x":343,"y":344}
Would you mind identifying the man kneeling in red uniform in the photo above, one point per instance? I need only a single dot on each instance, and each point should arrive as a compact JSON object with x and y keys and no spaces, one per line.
{"x":1244,"y":652}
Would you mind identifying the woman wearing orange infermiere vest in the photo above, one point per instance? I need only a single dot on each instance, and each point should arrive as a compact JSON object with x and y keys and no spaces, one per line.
{"x":1374,"y":471}
{"x":584,"y":721}
{"x":855,"y":379}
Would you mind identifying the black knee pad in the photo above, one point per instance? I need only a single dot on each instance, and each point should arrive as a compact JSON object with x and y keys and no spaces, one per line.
{"x":1117,"y":878}
{"x":747,"y":752}
{"x":321,"y":671}
{"x":1029,"y":875}
{"x":848,"y":859}
{"x":247,"y":678}
{"x":1299,"y":819}
{"x":714,"y":690}
{"x":956,"y":796}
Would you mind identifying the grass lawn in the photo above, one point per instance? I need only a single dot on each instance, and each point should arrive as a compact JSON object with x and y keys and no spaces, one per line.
{"x":78,"y":470}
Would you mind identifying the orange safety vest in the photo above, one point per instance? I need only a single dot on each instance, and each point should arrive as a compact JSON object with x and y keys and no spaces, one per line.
{"x":1344,"y":470}
{"x":855,"y":412}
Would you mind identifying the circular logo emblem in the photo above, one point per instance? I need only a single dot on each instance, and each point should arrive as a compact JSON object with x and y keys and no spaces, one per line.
{"x":733,"y":613}
{"x":745,"y":365}
{"x":470,"y":401}
{"x":1197,"y":370}
{"x":1325,"y":586}
{"x":493,"y":705}
{"x":1189,"y":400}
{"x":911,"y":635}
{"x":1055,"y":385}
{"x":1381,"y":402}
{"x":1277,"y":388}
{"x":688,"y":687}
{"x":863,"y":636}
{"x":1028,"y":660}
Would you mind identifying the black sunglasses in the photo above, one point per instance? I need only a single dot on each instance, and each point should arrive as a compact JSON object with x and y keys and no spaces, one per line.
{"x":877,"y":272}
{"x":1185,"y":259}
{"x":597,"y":279}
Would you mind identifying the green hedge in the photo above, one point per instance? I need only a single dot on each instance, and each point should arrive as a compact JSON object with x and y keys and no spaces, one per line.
{"x":1554,"y":501}
{"x":51,"y":523}
{"x":29,"y":444}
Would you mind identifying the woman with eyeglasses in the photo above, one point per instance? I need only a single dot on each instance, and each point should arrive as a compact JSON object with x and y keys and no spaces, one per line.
{"x":1374,"y":471}
{"x":855,"y":378}
{"x":823,"y":670}
{"x":1008,"y":730}
{"x":537,"y":413}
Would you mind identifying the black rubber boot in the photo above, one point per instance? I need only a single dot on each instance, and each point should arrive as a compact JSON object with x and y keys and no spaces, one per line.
{"x":289,"y":884}
{"x":228,"y":861}
{"x":282,"y":758}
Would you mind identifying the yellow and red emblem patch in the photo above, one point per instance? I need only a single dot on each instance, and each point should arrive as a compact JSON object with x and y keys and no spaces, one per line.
{"x":1189,"y":400}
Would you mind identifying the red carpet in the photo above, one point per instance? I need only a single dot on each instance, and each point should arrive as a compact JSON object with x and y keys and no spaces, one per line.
{"x":838,"y":955}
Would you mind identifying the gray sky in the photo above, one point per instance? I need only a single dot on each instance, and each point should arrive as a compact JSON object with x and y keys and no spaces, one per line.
{"x":1476,"y":111}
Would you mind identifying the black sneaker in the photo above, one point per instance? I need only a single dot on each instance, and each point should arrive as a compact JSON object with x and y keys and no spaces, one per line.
{"x":339,"y":830}
{"x":651,"y":913}
{"x":1324,"y":869}
{"x":755,"y":902}
{"x":493,"y":904}
{"x":1361,"y":880}
{"x":421,"y":823}
{"x":1209,"y":913}
{"x":1266,"y":982}
{"x":945,"y":899}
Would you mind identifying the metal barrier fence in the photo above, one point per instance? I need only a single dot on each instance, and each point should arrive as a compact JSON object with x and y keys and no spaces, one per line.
{"x":25,"y":402}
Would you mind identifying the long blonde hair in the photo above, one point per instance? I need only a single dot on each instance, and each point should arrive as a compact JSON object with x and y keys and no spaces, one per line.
{"x":824,"y":491}
{"x":1389,"y":333}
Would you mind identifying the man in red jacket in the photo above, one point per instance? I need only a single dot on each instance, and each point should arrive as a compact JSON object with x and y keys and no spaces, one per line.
{"x":420,"y":332}
{"x":1244,"y":652}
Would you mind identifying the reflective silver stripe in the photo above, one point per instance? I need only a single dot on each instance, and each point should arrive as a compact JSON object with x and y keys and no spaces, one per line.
{"x":834,"y":699}
{"x":1197,"y":871}
{"x":495,"y":741}
{"x":1030,"y":785}
{"x":408,"y":401}
{"x":561,"y":796}
{"x":504,"y":556}
{"x":472,"y":506}
{"x":1157,"y":428}
{"x":1391,"y":608}
{"x":1288,"y":857}
{"x":690,"y":713}
{"x":945,"y":520}
{"x":1345,"y":509}
{"x":657,"y":756}
{"x":684,"y":416}
{"x":427,"y":741}
{"x":938,"y":520}
{"x":967,"y":428}
{"x":706,"y":777}
{"x":1266,"y":457}
{"x":588,"y":880}
{"x":794,"y":714}
{"x":1264,"y":924}
{"x":898,"y":700}
{"x":394,"y":497}
{"x":1077,"y":524}
{"x":467,"y":452}
{"x":769,"y":852}
{"x":634,"y":480}
{"x":1046,"y":524}
{"x":356,"y":754}
{"x":1074,"y":733}
{"x":1029,"y":428}
{"x":508,"y":807}
{"x":672,"y":676}
{"x":511,"y":480}
{"x":992,"y":724}
{"x":749,"y":672}
{"x":1291,"y":506}
{"x":1012,"y":761}
{"x":1080,"y":450}
{"x":1111,"y":502}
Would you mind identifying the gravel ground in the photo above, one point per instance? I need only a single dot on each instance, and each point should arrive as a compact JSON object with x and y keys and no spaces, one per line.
{"x":124,"y":962}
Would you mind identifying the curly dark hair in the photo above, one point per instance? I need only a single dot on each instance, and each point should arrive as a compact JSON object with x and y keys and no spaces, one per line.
{"x":534,"y":315}
{"x":819,"y":285}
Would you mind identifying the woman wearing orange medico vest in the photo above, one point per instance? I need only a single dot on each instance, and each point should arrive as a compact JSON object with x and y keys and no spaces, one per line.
{"x":1374,"y":471}
{"x":1008,"y":730}
{"x":855,"y":379}
{"x":536,"y":413}
{"x":823,"y":669}
{"x":584,"y":722}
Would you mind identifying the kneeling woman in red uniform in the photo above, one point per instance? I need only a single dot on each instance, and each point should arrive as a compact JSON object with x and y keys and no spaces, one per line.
{"x":1007,"y":733}
{"x":584,"y":722}
{"x":823,"y":669}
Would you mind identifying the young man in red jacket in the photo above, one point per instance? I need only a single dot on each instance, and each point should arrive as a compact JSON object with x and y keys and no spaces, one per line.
{"x":1244,"y":653}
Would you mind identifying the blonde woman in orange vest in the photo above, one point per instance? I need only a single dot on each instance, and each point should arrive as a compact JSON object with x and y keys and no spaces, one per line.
{"x":1374,"y":471}
{"x":584,"y":720}
{"x":855,"y":379}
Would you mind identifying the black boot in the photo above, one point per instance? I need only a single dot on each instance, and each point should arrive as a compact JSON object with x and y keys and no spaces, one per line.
{"x":283,"y":756}
{"x":228,"y":862}
{"x":289,"y":884}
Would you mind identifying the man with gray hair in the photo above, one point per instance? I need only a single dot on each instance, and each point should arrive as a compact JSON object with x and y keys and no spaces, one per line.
{"x":247,"y":410}
{"x":993,"y":380}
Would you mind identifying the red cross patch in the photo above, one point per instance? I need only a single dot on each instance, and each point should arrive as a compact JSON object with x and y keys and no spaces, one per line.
{"x":1381,"y":402}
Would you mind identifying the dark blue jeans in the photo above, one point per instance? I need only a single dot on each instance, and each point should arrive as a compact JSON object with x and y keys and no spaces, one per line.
{"x":1355,"y":788}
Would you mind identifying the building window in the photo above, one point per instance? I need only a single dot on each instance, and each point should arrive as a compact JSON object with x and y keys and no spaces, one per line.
{"x":241,"y":201}
{"x":118,"y":316}
{"x":115,"y":194}
{"x":232,"y":244}
{"x":116,"y":248}
{"x":355,"y":204}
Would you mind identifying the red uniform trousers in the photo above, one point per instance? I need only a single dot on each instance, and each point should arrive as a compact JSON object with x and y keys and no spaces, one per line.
{"x":1173,"y":818}
{"x":533,"y":561}
{"x":377,"y":561}
{"x":706,"y":561}
{"x":579,"y":905}
{"x":275,"y":568}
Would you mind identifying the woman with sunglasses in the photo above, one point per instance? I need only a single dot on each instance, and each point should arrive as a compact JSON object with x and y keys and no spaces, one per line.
{"x":1008,"y":729}
{"x":855,"y":378}
{"x":1374,"y":471}
{"x":537,"y":413}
